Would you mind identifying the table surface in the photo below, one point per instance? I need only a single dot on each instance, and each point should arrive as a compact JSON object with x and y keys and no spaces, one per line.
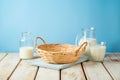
{"x":13,"y":68}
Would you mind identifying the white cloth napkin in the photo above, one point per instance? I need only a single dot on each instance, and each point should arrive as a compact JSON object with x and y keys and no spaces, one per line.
{"x":41,"y":63}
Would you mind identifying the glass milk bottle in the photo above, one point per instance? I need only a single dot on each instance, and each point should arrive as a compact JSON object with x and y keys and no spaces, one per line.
{"x":26,"y":46}
{"x":89,"y":36}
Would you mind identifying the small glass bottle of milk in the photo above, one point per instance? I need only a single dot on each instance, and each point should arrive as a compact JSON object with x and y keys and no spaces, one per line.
{"x":26,"y":46}
{"x":89,"y":36}
{"x":98,"y":52}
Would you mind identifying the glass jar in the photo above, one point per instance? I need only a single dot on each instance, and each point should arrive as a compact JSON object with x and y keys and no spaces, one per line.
{"x":89,"y":36}
{"x":26,"y":46}
{"x":98,"y":51}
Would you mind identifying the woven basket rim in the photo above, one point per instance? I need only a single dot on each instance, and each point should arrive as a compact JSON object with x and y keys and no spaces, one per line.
{"x":60,"y":45}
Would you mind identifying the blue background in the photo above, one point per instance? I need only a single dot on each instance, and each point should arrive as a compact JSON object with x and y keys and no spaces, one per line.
{"x":59,"y":21}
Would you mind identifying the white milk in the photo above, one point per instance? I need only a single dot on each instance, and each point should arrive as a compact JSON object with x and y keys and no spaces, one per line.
{"x":26,"y":52}
{"x":97,"y":52}
{"x":91,"y":42}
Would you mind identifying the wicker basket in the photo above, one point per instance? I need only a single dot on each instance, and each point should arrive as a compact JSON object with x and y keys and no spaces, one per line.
{"x":59,"y":53}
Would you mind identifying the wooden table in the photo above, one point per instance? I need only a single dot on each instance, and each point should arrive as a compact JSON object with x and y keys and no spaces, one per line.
{"x":12,"y":68}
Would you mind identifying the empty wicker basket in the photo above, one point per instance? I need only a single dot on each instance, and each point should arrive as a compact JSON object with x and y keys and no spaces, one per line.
{"x":59,"y":53}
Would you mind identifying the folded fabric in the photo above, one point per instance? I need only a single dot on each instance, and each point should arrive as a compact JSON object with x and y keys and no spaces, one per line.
{"x":41,"y":63}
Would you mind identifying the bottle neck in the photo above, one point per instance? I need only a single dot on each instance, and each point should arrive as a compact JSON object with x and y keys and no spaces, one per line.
{"x":92,"y":34}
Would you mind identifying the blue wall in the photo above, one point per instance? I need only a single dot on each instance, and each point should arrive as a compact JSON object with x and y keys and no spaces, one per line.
{"x":59,"y":21}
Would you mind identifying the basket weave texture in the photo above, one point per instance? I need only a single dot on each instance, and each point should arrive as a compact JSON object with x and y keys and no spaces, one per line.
{"x":59,"y":53}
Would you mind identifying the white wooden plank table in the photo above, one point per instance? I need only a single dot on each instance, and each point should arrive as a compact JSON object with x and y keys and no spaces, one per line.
{"x":13,"y":68}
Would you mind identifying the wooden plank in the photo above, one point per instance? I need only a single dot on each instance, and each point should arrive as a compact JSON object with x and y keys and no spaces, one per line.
{"x":2,"y":55}
{"x":7,"y":65}
{"x":112,"y":64}
{"x":118,"y":56}
{"x":114,"y":57}
{"x":95,"y":71}
{"x":24,"y":71}
{"x":48,"y":74}
{"x":73,"y":73}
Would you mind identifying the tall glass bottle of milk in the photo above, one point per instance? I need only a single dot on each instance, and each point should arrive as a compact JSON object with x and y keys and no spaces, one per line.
{"x":26,"y":46}
{"x":89,"y":36}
